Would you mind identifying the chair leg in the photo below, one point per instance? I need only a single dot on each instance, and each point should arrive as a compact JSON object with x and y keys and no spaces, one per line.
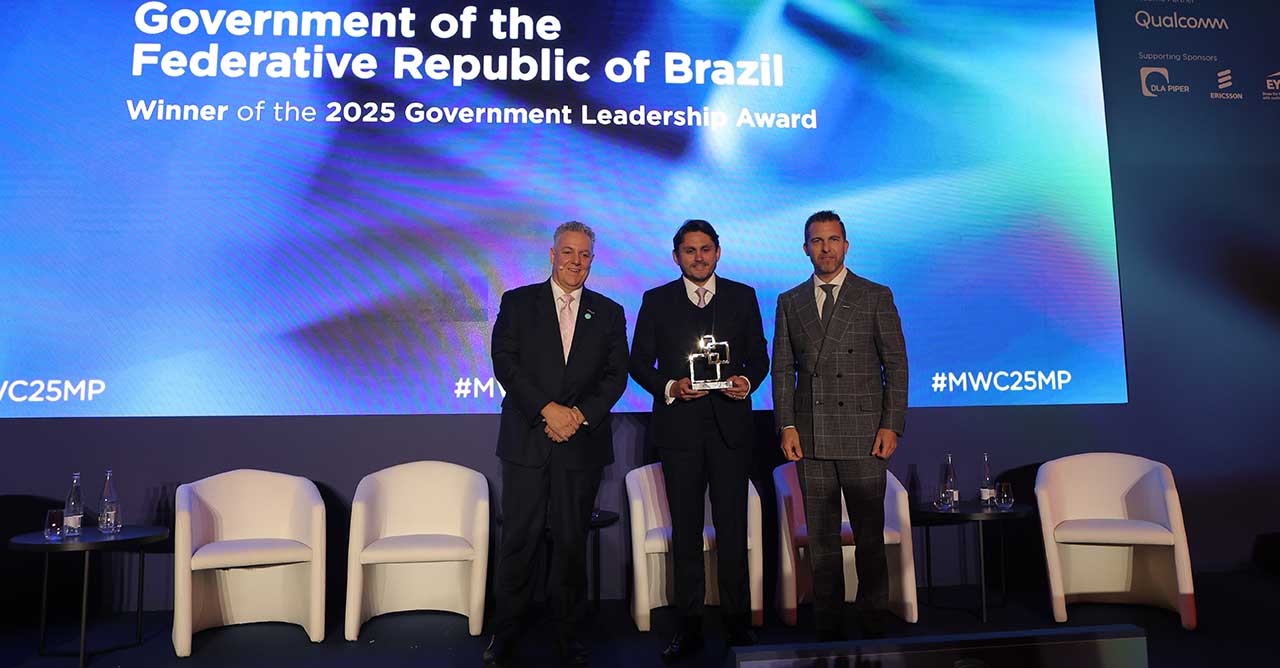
{"x":1059,"y":608}
{"x":1187,"y":609}
{"x":355,"y":595}
{"x":315,"y":599}
{"x":475,"y":618}
{"x":640,"y":591}
{"x":182,"y":615}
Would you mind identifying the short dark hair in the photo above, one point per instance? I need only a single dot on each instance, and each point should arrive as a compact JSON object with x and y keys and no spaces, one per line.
{"x":694,"y":225}
{"x":825,"y":216}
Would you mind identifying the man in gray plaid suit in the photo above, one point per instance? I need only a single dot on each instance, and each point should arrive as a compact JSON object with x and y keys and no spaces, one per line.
{"x":839,"y":403}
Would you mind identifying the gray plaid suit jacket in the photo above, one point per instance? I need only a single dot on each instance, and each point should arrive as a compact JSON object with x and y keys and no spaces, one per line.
{"x":839,"y":387}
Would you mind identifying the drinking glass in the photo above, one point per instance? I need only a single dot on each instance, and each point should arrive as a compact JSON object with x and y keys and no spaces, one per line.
{"x":109,"y":518}
{"x":1004,"y":496}
{"x":943,"y":499}
{"x":53,"y":524}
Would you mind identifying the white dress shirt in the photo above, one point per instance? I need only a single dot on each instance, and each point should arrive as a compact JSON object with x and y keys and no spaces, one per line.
{"x":821,"y":295}
{"x":691,"y":289}
{"x":557,"y":292}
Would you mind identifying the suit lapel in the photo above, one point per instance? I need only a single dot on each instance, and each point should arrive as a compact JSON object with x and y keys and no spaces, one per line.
{"x":850,"y":294}
{"x":582,"y":327}
{"x":548,"y":321}
{"x":809,"y":312}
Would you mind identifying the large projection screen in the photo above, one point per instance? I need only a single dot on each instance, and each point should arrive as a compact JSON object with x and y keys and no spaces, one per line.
{"x":313,"y":208}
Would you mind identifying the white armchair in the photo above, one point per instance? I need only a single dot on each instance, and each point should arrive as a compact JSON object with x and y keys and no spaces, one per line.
{"x":419,"y":541}
{"x":1113,"y":532}
{"x":795,"y":578}
{"x":249,"y":546}
{"x":653,"y":576}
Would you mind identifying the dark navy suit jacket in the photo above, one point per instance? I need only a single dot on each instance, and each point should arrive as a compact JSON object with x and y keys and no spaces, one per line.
{"x":528,"y":360}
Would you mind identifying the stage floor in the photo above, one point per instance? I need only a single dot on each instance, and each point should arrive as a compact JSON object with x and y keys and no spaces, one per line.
{"x":1238,"y":613}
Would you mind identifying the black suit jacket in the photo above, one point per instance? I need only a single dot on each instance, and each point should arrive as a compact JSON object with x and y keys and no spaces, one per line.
{"x":528,"y":360}
{"x":665,"y":335}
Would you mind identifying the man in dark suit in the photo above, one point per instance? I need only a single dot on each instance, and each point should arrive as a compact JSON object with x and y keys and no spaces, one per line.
{"x":560,"y":352}
{"x":702,"y":437}
{"x":839,"y":402}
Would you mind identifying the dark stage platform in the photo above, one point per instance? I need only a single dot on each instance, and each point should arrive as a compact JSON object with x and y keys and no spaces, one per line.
{"x":1238,"y":613}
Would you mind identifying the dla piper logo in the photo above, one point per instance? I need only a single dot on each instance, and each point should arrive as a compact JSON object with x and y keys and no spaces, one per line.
{"x":1155,"y":82}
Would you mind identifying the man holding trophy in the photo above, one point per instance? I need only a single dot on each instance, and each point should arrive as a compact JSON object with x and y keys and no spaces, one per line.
{"x":699,"y":348}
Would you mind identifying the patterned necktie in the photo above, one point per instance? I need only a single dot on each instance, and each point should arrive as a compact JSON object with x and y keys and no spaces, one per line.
{"x":566,"y":323}
{"x":702,"y":297}
{"x":828,"y":304}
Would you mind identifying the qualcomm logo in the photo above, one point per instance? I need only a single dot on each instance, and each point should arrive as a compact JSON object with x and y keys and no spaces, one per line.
{"x":1272,"y":90}
{"x":1175,"y":21}
{"x":1155,"y":82}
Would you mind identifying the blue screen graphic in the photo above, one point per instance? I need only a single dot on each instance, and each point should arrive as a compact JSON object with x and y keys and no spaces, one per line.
{"x":184,"y":234}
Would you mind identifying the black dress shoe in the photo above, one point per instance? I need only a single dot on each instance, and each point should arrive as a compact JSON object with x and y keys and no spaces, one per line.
{"x":682,"y":645}
{"x":742,"y":636}
{"x":498,"y":651}
{"x":573,"y":653}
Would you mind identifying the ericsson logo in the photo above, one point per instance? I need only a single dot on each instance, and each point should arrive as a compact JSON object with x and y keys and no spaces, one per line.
{"x":1225,"y":82}
{"x":1272,"y":90}
{"x":1155,"y":82}
{"x":1175,"y":21}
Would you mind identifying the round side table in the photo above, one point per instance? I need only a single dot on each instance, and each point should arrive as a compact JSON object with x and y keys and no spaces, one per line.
{"x":925,"y":516}
{"x":131,"y":538}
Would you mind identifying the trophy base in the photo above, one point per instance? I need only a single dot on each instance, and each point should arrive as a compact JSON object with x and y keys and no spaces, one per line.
{"x":704,"y":385}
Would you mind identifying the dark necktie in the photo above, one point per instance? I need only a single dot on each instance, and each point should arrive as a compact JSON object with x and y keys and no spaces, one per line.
{"x":828,"y":304}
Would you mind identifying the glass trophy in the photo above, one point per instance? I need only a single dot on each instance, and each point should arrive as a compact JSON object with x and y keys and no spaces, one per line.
{"x":709,"y":354}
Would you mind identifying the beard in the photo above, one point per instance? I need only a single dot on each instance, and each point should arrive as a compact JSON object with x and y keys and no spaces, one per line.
{"x":699,"y":272}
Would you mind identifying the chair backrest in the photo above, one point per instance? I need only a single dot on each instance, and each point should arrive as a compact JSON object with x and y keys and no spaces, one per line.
{"x":425,"y":497}
{"x":248,"y":503}
{"x":787,"y":473}
{"x":648,"y":482}
{"x":1103,"y":485}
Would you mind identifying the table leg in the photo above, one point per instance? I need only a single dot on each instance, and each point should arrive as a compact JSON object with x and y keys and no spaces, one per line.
{"x":982,"y":571}
{"x":928,"y":565}
{"x":142,"y":562}
{"x":84,"y":606}
{"x":44,"y":602}
{"x":1004,"y":590}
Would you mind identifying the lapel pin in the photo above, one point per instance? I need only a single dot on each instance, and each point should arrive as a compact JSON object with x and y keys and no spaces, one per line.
{"x":588,"y":314}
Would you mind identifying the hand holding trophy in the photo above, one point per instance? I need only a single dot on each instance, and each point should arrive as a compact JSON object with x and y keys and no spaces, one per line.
{"x":709,"y":354}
